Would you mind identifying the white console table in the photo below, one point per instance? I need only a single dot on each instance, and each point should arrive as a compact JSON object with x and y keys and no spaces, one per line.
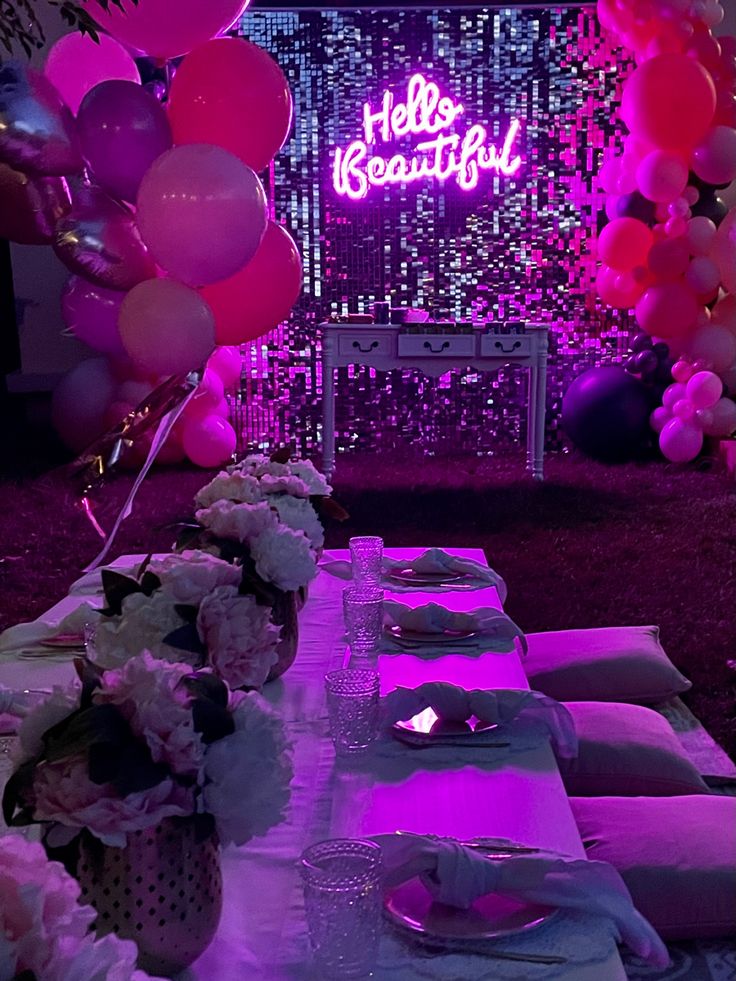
{"x":385,"y":347}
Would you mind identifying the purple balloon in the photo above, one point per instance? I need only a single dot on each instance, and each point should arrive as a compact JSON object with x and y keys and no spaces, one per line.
{"x":99,"y":240}
{"x":91,"y":313}
{"x":605,"y":412}
{"x":122,"y":130}
{"x":37,"y":130}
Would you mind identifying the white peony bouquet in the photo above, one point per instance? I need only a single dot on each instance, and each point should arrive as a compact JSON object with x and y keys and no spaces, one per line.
{"x":189,"y":607}
{"x":121,"y":750}
{"x":45,"y":933}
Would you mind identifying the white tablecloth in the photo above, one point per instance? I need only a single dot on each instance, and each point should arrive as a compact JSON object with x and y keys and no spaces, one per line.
{"x":262,"y":936}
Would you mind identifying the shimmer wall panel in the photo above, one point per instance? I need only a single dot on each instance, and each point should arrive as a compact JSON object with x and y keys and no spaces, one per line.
{"x":513,"y":250}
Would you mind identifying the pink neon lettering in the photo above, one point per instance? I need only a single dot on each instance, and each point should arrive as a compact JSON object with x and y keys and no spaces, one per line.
{"x":356,"y":168}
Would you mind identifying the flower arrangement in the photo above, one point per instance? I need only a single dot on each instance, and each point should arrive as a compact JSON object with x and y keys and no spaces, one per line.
{"x":121,"y":750}
{"x":45,"y":931}
{"x":191,"y":607}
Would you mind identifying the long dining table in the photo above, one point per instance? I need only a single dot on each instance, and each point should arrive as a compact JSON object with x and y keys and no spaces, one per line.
{"x":263,"y":934}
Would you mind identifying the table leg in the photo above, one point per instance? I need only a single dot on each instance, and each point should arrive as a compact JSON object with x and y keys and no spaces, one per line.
{"x":328,"y":408}
{"x":541,"y":411}
{"x":531,"y":416}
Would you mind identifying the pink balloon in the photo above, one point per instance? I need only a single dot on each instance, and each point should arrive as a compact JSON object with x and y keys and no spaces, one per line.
{"x":80,"y":402}
{"x":703,"y":276}
{"x":704,"y":389}
{"x":659,"y":418}
{"x":723,"y":422}
{"x":261,"y":295}
{"x":673,"y":393}
{"x":714,"y":160}
{"x":208,"y":395}
{"x":164,"y":31}
{"x":231,"y":79}
{"x":680,"y":441}
{"x":669,"y":310}
{"x":209,"y":442}
{"x":724,"y":251}
{"x":668,"y":259}
{"x":227,"y":361}
{"x":76,"y":63}
{"x":714,"y":345}
{"x":166,"y":327}
{"x":624,"y":243}
{"x":682,"y":371}
{"x":669,"y":101}
{"x":683,"y":409}
{"x":700,"y":235}
{"x":662,"y":176}
{"x":91,"y":313}
{"x":724,"y":312}
{"x":202,"y":213}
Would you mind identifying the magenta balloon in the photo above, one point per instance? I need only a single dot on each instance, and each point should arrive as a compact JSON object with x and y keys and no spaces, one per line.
{"x":227,"y":361}
{"x":76,"y":64}
{"x":704,"y":389}
{"x":681,"y":441}
{"x":99,"y":240}
{"x":202,"y":213}
{"x":122,"y":130}
{"x":209,"y":442}
{"x":165,"y":29}
{"x":714,"y":160}
{"x":166,"y":327}
{"x":91,"y":313}
{"x":669,"y":310}
{"x":37,"y":130}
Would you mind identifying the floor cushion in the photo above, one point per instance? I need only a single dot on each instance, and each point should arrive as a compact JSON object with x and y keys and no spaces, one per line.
{"x":605,"y":664}
{"x":626,"y":750}
{"x":677,"y":855}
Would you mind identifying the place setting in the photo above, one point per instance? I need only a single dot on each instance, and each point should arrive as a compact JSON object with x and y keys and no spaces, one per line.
{"x":433,"y":630}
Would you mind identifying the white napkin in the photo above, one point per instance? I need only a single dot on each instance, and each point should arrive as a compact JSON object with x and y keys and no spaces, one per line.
{"x":28,"y":636}
{"x":496,"y":631}
{"x":451,"y":703}
{"x":457,"y":876}
{"x":431,"y":562}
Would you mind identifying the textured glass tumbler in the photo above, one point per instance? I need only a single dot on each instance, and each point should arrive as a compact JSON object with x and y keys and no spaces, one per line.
{"x":352,"y":706}
{"x":342,"y":899}
{"x":362,"y":607}
{"x":366,"y":555}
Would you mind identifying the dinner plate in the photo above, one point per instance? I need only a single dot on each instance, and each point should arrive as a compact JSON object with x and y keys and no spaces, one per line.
{"x":66,"y":642}
{"x":412,"y":907}
{"x":410,"y":577}
{"x":426,"y":726}
{"x":417,"y":637}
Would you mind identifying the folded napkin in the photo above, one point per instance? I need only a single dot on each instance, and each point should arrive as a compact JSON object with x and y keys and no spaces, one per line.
{"x":27,"y":636}
{"x":495,"y":631}
{"x":451,"y":703}
{"x":433,"y":561}
{"x":457,"y":876}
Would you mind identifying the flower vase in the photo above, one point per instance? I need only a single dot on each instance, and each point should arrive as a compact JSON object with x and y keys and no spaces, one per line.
{"x":163,"y":890}
{"x":285,"y":615}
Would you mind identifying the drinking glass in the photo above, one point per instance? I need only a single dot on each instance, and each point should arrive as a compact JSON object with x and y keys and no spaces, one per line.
{"x":342,"y":899}
{"x":352,"y":707}
{"x":366,"y":555}
{"x":362,"y":607}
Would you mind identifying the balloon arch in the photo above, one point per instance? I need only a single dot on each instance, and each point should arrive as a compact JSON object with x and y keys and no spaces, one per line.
{"x":668,"y":251}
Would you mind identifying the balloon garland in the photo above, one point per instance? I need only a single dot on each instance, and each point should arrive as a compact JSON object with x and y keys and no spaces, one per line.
{"x":669,"y":248}
{"x":151,"y":197}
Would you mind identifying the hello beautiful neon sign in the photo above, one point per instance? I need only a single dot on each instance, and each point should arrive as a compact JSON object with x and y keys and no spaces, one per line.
{"x":445,"y":156}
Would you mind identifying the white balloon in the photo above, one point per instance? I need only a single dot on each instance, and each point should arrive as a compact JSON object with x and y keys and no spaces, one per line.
{"x":724,"y":419}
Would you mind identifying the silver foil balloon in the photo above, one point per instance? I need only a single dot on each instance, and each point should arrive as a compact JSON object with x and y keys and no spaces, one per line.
{"x":31,"y":206}
{"x":37,"y":130}
{"x":99,"y":240}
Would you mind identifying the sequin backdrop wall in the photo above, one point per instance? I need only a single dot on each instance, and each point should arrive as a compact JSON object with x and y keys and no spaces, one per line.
{"x":514,"y":250}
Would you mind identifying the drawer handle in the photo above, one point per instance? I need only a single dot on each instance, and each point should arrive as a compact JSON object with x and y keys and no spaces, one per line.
{"x":514,"y":346}
{"x":365,"y":350}
{"x":437,"y":350}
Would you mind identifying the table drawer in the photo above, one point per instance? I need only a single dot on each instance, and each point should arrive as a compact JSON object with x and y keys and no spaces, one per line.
{"x":436,"y":345}
{"x":505,"y":345}
{"x":366,"y":343}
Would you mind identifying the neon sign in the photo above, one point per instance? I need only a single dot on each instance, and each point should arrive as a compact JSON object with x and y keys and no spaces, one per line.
{"x":357,"y":167}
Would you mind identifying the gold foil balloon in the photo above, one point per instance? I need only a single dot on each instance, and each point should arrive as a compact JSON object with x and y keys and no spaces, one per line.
{"x":99,"y":240}
{"x":37,"y":130}
{"x":31,"y":206}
